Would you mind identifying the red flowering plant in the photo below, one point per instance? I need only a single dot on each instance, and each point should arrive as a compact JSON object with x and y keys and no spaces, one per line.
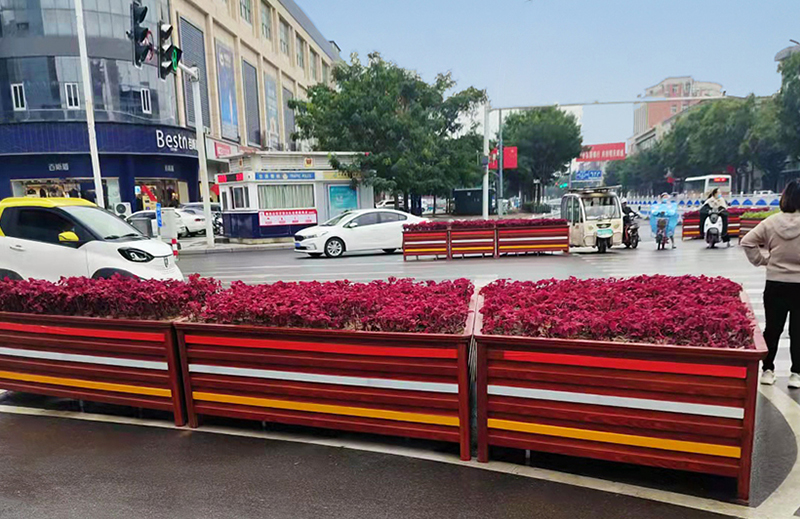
{"x":483,"y":224}
{"x":396,"y":305}
{"x":684,"y":310}
{"x":531,"y":222}
{"x":426,"y":226}
{"x":117,"y":297}
{"x":732,"y":211}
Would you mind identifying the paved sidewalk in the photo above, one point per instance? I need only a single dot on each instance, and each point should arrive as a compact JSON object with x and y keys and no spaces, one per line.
{"x":196,"y":246}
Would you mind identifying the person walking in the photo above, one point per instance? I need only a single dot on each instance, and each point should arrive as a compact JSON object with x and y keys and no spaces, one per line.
{"x":775,"y":243}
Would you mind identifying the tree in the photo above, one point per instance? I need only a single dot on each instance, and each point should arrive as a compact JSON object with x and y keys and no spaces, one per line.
{"x":547,"y":139}
{"x":765,"y":143}
{"x":413,"y":131}
{"x":788,"y":104}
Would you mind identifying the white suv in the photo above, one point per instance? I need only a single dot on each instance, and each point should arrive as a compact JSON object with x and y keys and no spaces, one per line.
{"x":50,"y":238}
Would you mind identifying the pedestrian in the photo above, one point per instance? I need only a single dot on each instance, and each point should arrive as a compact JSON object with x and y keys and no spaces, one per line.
{"x":775,"y":243}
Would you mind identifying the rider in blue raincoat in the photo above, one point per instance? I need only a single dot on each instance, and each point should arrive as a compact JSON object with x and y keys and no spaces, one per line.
{"x":666,"y":208}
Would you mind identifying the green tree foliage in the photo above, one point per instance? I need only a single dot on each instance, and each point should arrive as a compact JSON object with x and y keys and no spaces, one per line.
{"x":547,"y":139}
{"x":788,"y":104}
{"x":413,"y":131}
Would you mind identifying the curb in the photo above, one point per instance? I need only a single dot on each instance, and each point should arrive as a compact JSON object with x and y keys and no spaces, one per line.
{"x":225,"y":249}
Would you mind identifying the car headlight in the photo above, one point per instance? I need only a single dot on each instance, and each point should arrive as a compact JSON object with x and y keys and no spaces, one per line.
{"x":136,"y":255}
{"x":318,"y":235}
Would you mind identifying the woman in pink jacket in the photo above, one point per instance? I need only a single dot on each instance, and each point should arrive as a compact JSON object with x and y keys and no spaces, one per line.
{"x":775,"y":243}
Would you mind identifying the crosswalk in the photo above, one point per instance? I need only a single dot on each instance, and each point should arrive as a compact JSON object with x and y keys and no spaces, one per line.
{"x":693,"y":258}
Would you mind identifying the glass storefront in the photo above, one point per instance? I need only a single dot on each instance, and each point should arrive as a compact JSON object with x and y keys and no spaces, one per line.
{"x":66,"y":188}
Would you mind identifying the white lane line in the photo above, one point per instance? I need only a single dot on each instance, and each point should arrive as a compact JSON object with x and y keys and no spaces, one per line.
{"x":618,"y":401}
{"x":384,"y":383}
{"x":88,"y":359}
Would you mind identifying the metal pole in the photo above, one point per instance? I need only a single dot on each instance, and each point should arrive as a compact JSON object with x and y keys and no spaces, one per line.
{"x":500,"y":153}
{"x":486,"y":109}
{"x":89,"y":104}
{"x":202,"y":170}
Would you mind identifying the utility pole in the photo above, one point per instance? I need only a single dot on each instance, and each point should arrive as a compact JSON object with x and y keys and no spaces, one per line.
{"x":486,"y":110}
{"x":500,"y":153}
{"x":205,"y":192}
{"x":88,"y":102}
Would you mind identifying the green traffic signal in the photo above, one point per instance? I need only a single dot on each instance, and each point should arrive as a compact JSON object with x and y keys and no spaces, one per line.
{"x":169,"y":56}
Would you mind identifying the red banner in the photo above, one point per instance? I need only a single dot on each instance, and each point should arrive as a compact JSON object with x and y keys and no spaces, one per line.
{"x":603,"y":152}
{"x":287,"y":217}
{"x":509,"y":158}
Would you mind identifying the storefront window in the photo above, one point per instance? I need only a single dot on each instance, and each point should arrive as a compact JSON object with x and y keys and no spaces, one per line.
{"x":240,"y":196}
{"x":286,"y":196}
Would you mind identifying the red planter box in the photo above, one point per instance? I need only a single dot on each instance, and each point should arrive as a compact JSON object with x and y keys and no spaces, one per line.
{"x":425,"y":243}
{"x":678,"y":407}
{"x":398,"y":384}
{"x":470,"y":242}
{"x":747,"y":225}
{"x":132,"y":363}
{"x":690,"y":229}
{"x":514,"y":240}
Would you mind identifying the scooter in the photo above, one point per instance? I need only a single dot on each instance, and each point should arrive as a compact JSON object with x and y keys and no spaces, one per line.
{"x":662,"y":238}
{"x":713,"y":228}
{"x":630,"y":233}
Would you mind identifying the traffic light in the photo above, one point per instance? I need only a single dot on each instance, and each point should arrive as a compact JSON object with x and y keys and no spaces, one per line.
{"x":142,"y":46}
{"x":168,"y":54}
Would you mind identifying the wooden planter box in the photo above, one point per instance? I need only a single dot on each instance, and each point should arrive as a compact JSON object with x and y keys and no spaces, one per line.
{"x":677,"y":407}
{"x":515,"y":240}
{"x":471,"y":242}
{"x":690,"y":229}
{"x":746,"y":225}
{"x":132,"y":363}
{"x":425,"y":243}
{"x":398,"y":384}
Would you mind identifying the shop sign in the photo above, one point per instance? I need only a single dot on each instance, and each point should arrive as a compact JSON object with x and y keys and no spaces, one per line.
{"x":287,"y":217}
{"x":60,"y":166}
{"x":337,"y":175}
{"x":174,"y":141}
{"x":299,"y":175}
{"x":169,"y":167}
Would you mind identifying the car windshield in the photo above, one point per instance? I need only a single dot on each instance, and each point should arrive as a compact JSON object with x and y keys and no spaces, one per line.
{"x":336,"y":219}
{"x":102,"y":223}
{"x":598,"y":207}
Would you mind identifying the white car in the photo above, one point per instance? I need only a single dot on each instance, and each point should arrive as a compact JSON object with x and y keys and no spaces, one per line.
{"x":362,"y":230}
{"x":47,"y":238}
{"x":189,"y":222}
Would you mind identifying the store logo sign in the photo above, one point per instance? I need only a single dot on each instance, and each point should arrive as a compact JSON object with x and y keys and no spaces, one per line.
{"x":175,"y":142}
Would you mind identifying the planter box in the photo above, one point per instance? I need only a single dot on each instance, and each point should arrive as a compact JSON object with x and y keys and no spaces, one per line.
{"x":471,"y":242}
{"x":132,"y":363}
{"x":677,"y":407}
{"x":398,"y":384}
{"x":514,"y":240}
{"x":690,"y":229}
{"x":746,"y":225}
{"x":425,"y":243}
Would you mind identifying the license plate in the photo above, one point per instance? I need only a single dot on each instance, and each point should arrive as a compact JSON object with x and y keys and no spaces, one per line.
{"x":605,"y":233}
{"x":297,"y":246}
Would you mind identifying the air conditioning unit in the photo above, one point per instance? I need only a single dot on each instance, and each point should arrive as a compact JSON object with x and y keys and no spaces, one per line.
{"x":122,"y":209}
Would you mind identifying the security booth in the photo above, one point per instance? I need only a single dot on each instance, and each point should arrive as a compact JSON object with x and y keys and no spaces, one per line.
{"x":272,"y":195}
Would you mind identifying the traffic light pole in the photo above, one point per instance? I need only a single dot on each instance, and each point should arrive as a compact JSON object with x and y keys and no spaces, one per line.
{"x":205,"y":192}
{"x":500,"y":156}
{"x":487,"y":110}
{"x":88,"y":102}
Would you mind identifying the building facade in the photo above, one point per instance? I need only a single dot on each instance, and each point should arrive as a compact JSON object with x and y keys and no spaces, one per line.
{"x":253,"y":57}
{"x":652,"y":120}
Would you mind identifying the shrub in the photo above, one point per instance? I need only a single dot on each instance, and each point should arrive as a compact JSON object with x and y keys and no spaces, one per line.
{"x":759,"y":215}
{"x":536,"y":208}
{"x":732,"y":211}
{"x":686,"y":310}
{"x":397,"y":305}
{"x":118,"y":297}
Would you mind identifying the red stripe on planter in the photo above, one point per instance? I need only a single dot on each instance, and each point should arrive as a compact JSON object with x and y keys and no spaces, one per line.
{"x":628,"y":364}
{"x":82,"y":332}
{"x":431,"y":353}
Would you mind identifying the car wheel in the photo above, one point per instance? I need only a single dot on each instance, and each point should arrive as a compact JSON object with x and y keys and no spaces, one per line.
{"x":315,"y":254}
{"x":9,"y":274}
{"x":334,"y":248}
{"x":389,"y":251}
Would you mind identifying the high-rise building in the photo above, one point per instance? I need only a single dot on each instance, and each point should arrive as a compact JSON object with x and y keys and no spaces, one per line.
{"x":651,"y":120}
{"x":253,"y":55}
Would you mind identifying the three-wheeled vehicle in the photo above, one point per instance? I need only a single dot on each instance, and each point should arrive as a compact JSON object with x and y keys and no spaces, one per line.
{"x":594,"y":216}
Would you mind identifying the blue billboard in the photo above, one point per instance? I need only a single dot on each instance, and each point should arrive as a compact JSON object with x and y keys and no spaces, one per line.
{"x":591,"y":175}
{"x":226,"y":80}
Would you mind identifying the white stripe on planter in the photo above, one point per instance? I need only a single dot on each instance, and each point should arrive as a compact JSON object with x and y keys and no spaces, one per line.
{"x":437,"y":242}
{"x":383,"y":383}
{"x":618,"y":401}
{"x":88,"y":359}
{"x":536,"y":238}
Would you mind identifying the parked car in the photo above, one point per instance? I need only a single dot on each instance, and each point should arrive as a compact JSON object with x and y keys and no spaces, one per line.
{"x":189,"y":223}
{"x":47,"y":238}
{"x":216,"y":213}
{"x":361,"y":230}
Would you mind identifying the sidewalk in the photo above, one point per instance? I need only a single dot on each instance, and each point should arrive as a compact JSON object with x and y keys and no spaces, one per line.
{"x":197,"y":246}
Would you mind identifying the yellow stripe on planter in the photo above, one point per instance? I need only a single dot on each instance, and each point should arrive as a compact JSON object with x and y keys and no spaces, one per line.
{"x":617,"y":438}
{"x":328,"y":409}
{"x":502,"y":247}
{"x":86,"y":384}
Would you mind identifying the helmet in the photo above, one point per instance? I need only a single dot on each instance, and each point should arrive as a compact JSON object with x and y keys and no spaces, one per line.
{"x":624,"y":201}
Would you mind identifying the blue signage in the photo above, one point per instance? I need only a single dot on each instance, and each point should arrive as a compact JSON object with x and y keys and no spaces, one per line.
{"x":300,"y":175}
{"x":588,"y":175}
{"x":159,"y":221}
{"x":341,"y":199}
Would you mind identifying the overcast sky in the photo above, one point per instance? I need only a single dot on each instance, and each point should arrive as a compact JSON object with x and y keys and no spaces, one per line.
{"x":546,"y":51}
